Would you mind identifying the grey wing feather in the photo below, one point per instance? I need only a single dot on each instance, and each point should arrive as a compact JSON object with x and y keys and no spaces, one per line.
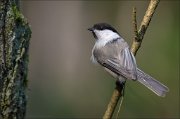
{"x":118,"y":58}
{"x":128,"y":60}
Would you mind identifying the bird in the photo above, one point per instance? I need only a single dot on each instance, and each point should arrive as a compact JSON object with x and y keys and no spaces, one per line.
{"x":113,"y":53}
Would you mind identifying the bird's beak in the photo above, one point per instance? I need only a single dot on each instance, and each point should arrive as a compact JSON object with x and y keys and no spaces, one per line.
{"x":91,"y":29}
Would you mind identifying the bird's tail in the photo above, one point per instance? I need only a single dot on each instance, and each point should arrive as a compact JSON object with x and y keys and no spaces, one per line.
{"x":154,"y":85}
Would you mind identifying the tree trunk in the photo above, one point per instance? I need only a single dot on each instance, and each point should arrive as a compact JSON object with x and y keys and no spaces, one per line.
{"x":15,"y":35}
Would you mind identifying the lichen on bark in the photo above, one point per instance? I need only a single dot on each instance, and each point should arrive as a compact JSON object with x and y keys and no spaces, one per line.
{"x":15,"y":35}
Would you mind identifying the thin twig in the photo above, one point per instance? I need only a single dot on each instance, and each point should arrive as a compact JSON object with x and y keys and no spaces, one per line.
{"x":144,"y":25}
{"x":114,"y":100}
{"x":134,"y":48}
{"x":122,"y":97}
{"x":135,"y":24}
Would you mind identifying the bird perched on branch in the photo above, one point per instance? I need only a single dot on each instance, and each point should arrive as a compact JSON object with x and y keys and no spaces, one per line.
{"x":112,"y":52}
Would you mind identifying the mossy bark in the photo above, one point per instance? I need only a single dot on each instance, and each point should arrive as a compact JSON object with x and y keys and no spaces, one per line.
{"x":15,"y":35}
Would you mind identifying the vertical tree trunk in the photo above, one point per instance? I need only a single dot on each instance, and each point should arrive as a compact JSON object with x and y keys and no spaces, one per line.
{"x":15,"y":35}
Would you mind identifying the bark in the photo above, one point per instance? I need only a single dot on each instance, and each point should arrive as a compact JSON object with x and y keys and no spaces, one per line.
{"x":15,"y":35}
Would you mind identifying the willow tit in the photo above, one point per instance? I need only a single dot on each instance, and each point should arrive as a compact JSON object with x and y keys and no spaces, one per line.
{"x":113,"y":53}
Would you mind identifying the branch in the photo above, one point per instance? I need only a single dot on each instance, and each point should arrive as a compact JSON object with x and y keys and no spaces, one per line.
{"x":138,"y":37}
{"x":144,"y":25}
{"x":135,"y":25}
{"x":114,"y":100}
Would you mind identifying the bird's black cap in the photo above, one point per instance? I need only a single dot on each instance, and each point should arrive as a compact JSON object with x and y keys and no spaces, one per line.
{"x":102,"y":26}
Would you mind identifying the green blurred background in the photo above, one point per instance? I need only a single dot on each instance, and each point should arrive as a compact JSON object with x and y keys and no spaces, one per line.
{"x":63,"y":83}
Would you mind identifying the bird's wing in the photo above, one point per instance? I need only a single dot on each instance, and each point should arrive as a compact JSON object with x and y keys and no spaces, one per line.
{"x":117,"y":57}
